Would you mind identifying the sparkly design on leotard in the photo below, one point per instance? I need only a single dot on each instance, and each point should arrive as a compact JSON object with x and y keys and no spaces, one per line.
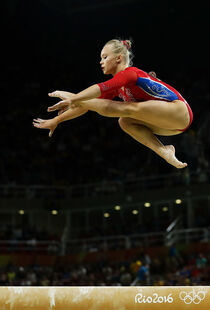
{"x":156,"y":89}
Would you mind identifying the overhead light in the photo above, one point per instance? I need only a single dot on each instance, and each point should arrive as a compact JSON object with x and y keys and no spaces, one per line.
{"x":147,"y":204}
{"x":54,"y":212}
{"x":106,"y":214}
{"x":117,"y":208}
{"x":178,"y":201}
{"x":135,"y":212}
{"x":21,"y":212}
{"x":165,"y":209}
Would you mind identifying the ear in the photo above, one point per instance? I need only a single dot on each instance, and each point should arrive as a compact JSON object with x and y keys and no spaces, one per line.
{"x":119,"y":58}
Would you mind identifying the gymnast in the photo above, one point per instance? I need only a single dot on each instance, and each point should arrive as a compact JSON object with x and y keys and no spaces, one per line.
{"x":150,"y":107}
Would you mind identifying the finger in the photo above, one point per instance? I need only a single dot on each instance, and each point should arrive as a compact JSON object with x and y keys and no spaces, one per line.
{"x":38,"y":120}
{"x":52,"y":108}
{"x":51,"y":132}
{"x":57,"y":106}
{"x":36,"y":125}
{"x":63,"y":102}
{"x":41,"y":126}
{"x":62,"y":111}
{"x":54,"y":93}
{"x":57,"y":94}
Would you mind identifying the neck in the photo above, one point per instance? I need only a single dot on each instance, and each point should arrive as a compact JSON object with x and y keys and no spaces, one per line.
{"x":119,"y":68}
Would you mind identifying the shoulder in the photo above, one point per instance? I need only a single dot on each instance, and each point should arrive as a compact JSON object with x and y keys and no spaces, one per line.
{"x":137,"y":71}
{"x":129,"y":73}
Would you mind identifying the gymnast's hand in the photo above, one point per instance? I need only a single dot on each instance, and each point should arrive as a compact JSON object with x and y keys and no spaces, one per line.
{"x":63,"y":105}
{"x":50,"y":124}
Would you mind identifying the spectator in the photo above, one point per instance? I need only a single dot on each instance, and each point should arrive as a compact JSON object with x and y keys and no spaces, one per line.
{"x":142,"y":277}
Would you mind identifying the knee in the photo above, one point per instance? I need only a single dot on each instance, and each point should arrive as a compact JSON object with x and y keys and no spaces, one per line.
{"x":125,"y":122}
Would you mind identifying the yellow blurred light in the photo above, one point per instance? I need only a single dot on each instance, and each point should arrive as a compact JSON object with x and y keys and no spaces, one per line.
{"x":54,"y":212}
{"x":21,"y":212}
{"x":165,"y":209}
{"x":147,"y":204}
{"x":178,"y":201}
{"x":106,"y":214}
{"x":138,"y":263}
{"x":117,"y":208}
{"x":135,"y":211}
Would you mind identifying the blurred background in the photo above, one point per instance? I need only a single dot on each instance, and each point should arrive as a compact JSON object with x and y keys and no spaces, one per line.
{"x":91,"y":206}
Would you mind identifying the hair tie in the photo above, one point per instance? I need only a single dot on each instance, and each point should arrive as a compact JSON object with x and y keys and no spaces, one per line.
{"x":126,"y":44}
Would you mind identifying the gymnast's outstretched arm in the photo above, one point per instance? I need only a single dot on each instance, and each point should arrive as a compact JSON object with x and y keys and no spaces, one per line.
{"x":65,"y":113}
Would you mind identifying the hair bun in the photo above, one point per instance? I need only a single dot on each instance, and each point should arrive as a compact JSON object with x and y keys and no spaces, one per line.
{"x":127,"y":43}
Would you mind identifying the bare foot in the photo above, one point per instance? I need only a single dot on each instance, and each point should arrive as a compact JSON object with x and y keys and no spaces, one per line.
{"x":169,"y":155}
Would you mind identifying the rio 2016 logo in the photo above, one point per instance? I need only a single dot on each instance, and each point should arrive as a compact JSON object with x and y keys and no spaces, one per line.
{"x":192,"y":297}
{"x":154,"y":298}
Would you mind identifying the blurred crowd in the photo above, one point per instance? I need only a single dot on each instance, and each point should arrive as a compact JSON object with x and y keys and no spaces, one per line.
{"x":22,"y":239}
{"x":26,"y":233}
{"x":92,"y":148}
{"x":170,"y":270}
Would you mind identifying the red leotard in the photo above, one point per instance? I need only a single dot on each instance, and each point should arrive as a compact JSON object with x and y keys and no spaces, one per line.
{"x":133,"y":84}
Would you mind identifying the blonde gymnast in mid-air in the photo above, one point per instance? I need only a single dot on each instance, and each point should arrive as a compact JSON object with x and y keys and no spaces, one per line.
{"x":151,"y":107}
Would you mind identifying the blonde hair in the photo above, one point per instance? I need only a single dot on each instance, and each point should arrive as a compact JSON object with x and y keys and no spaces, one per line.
{"x":122,"y":47}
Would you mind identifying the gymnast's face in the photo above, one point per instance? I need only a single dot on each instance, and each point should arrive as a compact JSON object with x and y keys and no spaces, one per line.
{"x":109,"y":60}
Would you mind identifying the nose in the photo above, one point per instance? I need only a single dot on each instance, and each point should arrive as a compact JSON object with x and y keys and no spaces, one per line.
{"x":101,"y":62}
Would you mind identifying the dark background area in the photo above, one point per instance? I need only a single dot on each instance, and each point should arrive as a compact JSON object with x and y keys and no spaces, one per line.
{"x":56,"y":44}
{"x":49,"y":45}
